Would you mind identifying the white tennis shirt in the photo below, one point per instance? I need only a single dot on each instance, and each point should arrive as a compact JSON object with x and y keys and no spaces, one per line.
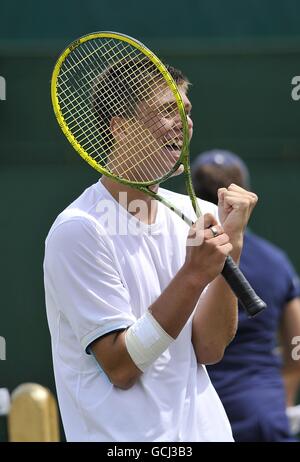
{"x":102,"y":270}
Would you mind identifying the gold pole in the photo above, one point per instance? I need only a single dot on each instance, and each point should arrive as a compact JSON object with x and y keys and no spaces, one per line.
{"x":33,"y":415}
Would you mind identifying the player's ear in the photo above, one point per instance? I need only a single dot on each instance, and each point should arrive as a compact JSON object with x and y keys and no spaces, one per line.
{"x":118,"y":127}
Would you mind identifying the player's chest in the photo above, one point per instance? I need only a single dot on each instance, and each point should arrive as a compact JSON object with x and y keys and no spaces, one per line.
{"x":148,"y":263}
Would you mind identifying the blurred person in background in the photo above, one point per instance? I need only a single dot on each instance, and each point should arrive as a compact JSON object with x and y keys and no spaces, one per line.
{"x":251,"y":377}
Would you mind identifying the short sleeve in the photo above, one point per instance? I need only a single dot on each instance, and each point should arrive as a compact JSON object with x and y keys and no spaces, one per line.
{"x":83,"y":282}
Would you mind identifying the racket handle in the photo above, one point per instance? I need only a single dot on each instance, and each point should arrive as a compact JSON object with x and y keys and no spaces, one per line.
{"x":250,"y":301}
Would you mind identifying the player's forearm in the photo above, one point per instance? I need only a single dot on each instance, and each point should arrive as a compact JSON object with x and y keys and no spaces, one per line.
{"x":175,"y":305}
{"x":215,"y":320}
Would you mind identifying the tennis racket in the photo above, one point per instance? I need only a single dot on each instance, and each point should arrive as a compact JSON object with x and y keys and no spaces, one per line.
{"x":123,"y":111}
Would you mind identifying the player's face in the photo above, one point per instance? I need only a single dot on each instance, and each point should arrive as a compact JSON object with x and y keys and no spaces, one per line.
{"x":159,"y":139}
{"x":160,"y":117}
{"x":152,"y":142}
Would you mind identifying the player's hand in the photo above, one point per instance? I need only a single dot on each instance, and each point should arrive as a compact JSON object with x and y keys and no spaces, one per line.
{"x":206,"y":254}
{"x":235,"y":207}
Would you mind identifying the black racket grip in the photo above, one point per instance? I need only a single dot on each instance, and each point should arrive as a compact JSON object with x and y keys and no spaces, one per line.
{"x":250,"y":301}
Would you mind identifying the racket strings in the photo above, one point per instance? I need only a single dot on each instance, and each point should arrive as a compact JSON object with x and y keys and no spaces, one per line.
{"x":87,"y":110}
{"x":81,"y":110}
{"x":87,"y":75}
{"x":109,"y":52}
{"x":99,"y":69}
{"x":125,"y":161}
{"x":73,"y":107}
{"x":83,"y":105}
{"x":99,"y":83}
{"x":69,"y":113}
{"x":144,"y":136}
{"x":88,"y":137}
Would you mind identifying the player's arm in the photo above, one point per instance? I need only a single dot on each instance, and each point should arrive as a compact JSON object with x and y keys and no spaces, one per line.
{"x":216,"y":316}
{"x":171,"y":311}
{"x":290,"y":336}
{"x":168,"y":314}
{"x":112,"y":355}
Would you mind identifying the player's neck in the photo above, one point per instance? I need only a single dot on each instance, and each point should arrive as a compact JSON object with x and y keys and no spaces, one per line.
{"x":129,"y":198}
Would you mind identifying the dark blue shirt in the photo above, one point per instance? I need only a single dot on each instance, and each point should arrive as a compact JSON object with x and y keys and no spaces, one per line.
{"x":248,"y":379}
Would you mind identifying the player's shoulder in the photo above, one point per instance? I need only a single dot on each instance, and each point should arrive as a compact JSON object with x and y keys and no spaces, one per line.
{"x":78,"y":216}
{"x":183,"y":202}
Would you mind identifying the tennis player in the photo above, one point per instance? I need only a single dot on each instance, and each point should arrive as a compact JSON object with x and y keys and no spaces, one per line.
{"x":135,"y":313}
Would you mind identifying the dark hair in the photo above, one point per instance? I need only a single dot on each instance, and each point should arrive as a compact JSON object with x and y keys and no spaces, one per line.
{"x":118,"y":89}
{"x":208,"y":178}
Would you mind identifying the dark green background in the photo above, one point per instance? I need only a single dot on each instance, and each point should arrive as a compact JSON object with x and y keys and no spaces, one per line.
{"x":240,"y":57}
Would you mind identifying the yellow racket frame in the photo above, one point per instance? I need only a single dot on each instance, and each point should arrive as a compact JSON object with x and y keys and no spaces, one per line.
{"x":183,"y":159}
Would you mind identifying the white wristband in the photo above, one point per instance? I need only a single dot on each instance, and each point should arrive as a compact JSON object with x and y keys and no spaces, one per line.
{"x":146,"y":340}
